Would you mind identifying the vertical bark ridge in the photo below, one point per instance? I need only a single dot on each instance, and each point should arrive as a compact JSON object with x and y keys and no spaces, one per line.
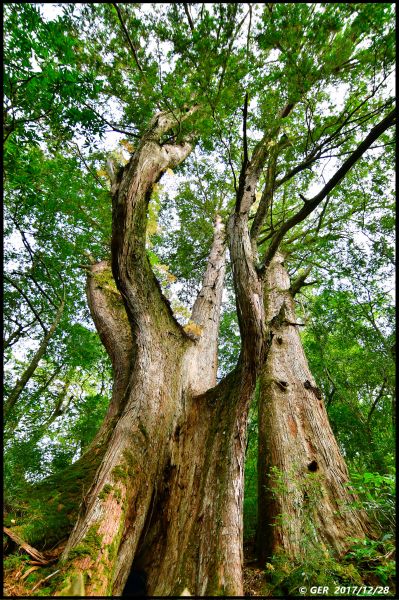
{"x":249,"y":292}
{"x":201,"y":359}
{"x":312,"y":501}
{"x":117,"y":504}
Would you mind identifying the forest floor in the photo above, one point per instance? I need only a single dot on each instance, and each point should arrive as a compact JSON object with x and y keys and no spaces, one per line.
{"x":15,"y":584}
{"x":20,"y":581}
{"x":254,"y":577}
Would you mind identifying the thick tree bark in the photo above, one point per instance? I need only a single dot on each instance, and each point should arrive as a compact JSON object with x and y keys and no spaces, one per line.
{"x":109,"y":315}
{"x":173,"y":493}
{"x":194,"y":539}
{"x":174,"y":524}
{"x":303,"y":495}
{"x":146,"y":347}
{"x":167,"y":496}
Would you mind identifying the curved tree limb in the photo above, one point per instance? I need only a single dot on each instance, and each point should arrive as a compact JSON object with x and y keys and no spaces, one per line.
{"x":131,"y":193}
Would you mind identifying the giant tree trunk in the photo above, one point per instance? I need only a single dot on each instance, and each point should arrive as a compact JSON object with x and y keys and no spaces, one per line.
{"x":168,"y":492}
{"x":169,"y":489}
{"x":303,"y":495}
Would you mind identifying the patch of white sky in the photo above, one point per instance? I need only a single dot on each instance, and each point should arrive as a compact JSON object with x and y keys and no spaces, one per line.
{"x":113,"y":109}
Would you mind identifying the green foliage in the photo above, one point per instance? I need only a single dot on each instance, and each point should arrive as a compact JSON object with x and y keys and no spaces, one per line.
{"x":301,"y":485}
{"x":285,"y":576}
{"x":45,"y":88}
{"x":377,"y":495}
{"x":348,"y":343}
{"x":375,"y":558}
{"x":367,"y":562}
{"x":107,"y":489}
{"x":14,"y":561}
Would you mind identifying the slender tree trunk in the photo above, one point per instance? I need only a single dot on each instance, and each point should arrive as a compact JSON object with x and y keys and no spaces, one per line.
{"x":303,"y":495}
{"x":61,"y":404}
{"x":31,"y":368}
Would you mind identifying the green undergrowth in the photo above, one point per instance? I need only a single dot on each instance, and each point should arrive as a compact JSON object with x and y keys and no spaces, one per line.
{"x":375,"y":559}
{"x":14,"y":561}
{"x":48,"y":587}
{"x":367,"y":563}
{"x":47,"y":511}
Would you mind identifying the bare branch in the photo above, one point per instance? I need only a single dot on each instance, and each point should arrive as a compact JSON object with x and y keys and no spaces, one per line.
{"x":87,"y":166}
{"x":29,"y":303}
{"x":318,"y":150}
{"x":190,"y":21}
{"x":377,"y":399}
{"x":312,"y":203}
{"x":31,"y":368}
{"x":112,"y":125}
{"x":133,"y":49}
{"x":249,"y":29}
{"x":25,"y":546}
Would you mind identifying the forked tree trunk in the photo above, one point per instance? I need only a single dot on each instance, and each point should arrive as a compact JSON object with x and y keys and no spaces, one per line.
{"x":168,"y":492}
{"x":303,"y":496}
